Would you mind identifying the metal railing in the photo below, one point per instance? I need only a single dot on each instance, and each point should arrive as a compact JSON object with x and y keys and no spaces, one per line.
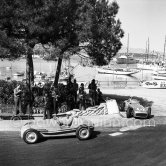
{"x":115,"y":84}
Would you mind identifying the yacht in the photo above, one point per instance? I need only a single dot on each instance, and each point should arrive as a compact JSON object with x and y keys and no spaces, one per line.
{"x":159,"y":74}
{"x":18,"y":74}
{"x":118,"y":71}
{"x":123,"y":59}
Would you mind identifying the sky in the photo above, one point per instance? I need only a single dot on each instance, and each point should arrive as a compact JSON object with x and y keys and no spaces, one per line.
{"x":143,"y":19}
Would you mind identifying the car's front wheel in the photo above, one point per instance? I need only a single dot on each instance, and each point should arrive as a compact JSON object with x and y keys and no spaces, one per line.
{"x":83,"y":133}
{"x":31,"y":136}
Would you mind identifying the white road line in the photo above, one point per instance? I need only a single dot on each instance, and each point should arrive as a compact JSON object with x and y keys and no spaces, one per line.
{"x":115,"y":134}
{"x":124,"y":129}
{"x":129,"y":128}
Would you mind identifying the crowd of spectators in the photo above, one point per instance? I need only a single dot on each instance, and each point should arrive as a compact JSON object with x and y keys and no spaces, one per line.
{"x":52,"y":98}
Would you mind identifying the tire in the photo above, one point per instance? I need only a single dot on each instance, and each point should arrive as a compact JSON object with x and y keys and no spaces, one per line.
{"x":83,"y":133}
{"x":128,"y":113}
{"x":31,"y":136}
{"x":149,"y":113}
{"x":16,"y":117}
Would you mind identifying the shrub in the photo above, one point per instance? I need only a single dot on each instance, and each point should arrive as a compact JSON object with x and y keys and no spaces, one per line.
{"x":7,"y":92}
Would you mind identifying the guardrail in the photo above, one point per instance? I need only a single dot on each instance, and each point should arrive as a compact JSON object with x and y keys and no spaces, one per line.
{"x":114,"y":84}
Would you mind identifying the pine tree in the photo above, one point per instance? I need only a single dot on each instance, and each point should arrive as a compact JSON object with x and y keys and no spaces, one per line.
{"x":106,"y":32}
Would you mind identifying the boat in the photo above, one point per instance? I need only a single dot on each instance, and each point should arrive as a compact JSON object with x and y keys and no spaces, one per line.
{"x":159,"y":74}
{"x":40,"y":78}
{"x":126,"y":58}
{"x":40,"y":75}
{"x":160,"y":71}
{"x":18,"y":74}
{"x":7,"y":78}
{"x":123,"y":59}
{"x":8,"y":67}
{"x":66,"y":72}
{"x":63,"y":77}
{"x":159,"y":77}
{"x":118,"y":71}
{"x":148,"y":66}
{"x":154,"y":84}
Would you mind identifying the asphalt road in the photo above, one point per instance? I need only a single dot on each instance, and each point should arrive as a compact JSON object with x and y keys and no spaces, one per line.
{"x":146,"y":146}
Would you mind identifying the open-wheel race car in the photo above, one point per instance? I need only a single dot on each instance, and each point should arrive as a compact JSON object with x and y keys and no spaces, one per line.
{"x":64,"y":124}
{"x":133,"y":108}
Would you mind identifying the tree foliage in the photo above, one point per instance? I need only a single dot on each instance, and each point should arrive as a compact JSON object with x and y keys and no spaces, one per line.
{"x":106,"y":32}
{"x":63,"y":23}
{"x":10,"y":48}
{"x":46,"y":51}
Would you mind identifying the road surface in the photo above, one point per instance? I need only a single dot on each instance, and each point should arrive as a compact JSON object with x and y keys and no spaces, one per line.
{"x":145,"y":146}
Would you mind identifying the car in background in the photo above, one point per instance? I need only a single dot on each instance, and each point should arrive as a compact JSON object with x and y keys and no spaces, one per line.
{"x":64,"y":124}
{"x":133,"y":108}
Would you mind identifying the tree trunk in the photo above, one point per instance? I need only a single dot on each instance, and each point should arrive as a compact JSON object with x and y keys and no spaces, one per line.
{"x":29,"y":69}
{"x":58,"y":69}
{"x":30,"y":77}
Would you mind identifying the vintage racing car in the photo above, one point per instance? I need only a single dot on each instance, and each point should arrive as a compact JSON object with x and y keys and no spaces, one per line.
{"x":63,"y":124}
{"x":133,"y":108}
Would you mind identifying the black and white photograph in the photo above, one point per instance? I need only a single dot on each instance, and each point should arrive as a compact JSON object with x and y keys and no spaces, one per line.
{"x":82,"y":83}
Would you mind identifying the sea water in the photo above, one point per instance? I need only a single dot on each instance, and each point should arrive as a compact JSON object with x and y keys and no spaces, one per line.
{"x":82,"y":74}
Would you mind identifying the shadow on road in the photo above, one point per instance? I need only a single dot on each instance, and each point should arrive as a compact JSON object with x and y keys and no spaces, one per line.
{"x":152,"y":116}
{"x":94,"y":135}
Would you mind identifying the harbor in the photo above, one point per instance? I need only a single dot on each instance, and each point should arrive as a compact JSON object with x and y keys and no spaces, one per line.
{"x":9,"y":69}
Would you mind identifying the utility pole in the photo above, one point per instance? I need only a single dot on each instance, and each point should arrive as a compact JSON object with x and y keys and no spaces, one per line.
{"x":148,"y":50}
{"x":128,"y":44}
{"x":164,"y":50}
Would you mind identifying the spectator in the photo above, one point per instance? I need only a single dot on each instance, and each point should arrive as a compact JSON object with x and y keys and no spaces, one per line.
{"x":47,"y":105}
{"x":55,"y":97}
{"x":70,"y":96}
{"x":69,"y":86}
{"x":75,"y":89}
{"x":99,"y":96}
{"x":40,"y":89}
{"x":25,"y":100}
{"x":17,"y":99}
{"x":92,"y":91}
{"x":81,"y":97}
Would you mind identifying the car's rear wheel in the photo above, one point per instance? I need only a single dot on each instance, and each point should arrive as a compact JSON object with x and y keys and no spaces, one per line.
{"x":149,"y":113}
{"x":129,"y":113}
{"x":31,"y":136}
{"x":83,"y":133}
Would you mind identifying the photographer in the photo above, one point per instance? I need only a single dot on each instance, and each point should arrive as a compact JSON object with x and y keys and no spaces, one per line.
{"x":17,"y":99}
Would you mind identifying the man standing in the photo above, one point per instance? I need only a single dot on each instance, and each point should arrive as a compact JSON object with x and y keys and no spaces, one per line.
{"x":27,"y":100}
{"x":55,"y":96}
{"x":92,"y":91}
{"x":99,"y":96}
{"x":75,"y":89}
{"x":17,"y":99}
{"x":82,"y":97}
{"x":47,"y":105}
{"x":70,"y":96}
